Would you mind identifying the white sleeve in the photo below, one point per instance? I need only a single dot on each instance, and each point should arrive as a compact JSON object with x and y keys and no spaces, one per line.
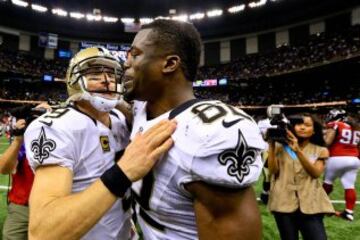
{"x":49,"y":146}
{"x":230,"y":158}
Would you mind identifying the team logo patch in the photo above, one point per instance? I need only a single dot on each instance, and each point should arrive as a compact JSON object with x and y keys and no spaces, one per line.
{"x":42,"y":146}
{"x":104,"y":141}
{"x":238,"y":159}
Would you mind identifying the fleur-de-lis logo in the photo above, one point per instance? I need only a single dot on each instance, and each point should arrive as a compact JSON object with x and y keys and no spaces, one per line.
{"x":42,"y":147}
{"x":240,"y":158}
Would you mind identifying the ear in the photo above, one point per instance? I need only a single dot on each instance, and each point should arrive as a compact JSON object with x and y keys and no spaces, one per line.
{"x":171,"y":63}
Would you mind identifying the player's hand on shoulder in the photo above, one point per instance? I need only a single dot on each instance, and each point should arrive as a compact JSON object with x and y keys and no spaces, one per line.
{"x":146,"y":148}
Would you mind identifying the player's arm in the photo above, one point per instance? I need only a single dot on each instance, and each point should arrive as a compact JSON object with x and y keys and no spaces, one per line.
{"x":223,"y":213}
{"x":55,"y":213}
{"x":9,"y":159}
{"x":223,"y":171}
{"x":330,"y":134}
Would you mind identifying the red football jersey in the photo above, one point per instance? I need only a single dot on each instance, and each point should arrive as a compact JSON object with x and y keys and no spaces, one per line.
{"x":22,"y":180}
{"x":346,"y":140}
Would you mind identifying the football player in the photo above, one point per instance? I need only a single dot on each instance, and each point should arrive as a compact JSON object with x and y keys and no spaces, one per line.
{"x":202,"y":186}
{"x":80,"y":186}
{"x":343,"y":138}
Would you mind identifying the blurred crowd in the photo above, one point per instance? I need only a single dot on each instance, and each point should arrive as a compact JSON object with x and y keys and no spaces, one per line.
{"x":15,"y":90}
{"x":251,"y":77}
{"x":28,"y":65}
{"x":319,"y":49}
{"x":269,"y":91}
{"x":255,"y":92}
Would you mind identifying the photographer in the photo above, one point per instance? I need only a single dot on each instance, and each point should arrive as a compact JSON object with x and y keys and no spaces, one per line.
{"x":297,"y":198}
{"x":14,"y":162}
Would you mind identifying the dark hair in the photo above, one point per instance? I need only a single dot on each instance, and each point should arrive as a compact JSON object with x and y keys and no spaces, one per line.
{"x":317,"y":138}
{"x":180,"y":38}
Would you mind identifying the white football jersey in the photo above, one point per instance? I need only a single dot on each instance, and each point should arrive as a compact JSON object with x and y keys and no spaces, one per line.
{"x":214,"y":143}
{"x":69,"y":138}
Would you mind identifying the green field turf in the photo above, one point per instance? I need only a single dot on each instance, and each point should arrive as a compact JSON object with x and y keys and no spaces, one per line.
{"x":337,"y":229}
{"x":3,"y":182}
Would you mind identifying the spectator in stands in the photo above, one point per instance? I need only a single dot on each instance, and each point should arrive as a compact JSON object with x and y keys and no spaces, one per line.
{"x":14,"y":162}
{"x":297,"y":199}
{"x":319,"y":49}
{"x":246,"y":72}
{"x":25,"y":63}
{"x":343,"y":139}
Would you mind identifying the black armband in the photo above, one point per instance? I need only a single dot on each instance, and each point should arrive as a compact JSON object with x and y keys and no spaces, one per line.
{"x":18,"y":132}
{"x":116,"y":181}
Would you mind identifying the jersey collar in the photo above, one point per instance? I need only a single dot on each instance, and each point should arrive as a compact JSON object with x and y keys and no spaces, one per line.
{"x":179,"y":109}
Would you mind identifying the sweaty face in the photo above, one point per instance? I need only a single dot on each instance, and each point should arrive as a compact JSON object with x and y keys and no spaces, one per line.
{"x":142,"y":79}
{"x":305,"y":129}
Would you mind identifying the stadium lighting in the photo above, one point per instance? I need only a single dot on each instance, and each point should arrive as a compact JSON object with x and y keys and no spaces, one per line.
{"x":110,"y":19}
{"x":38,"y":8}
{"x":96,"y":15}
{"x":59,"y":12}
{"x":91,"y":17}
{"x":197,"y":16}
{"x":146,"y":20}
{"x":127,"y":20}
{"x":20,"y":3}
{"x":182,"y":18}
{"x":161,"y":17}
{"x":214,"y":13}
{"x":236,"y":9}
{"x":77,"y":15}
{"x":257,"y":4}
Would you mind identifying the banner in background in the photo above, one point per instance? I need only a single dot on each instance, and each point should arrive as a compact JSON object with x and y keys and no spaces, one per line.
{"x":118,"y":50}
{"x":48,"y":40}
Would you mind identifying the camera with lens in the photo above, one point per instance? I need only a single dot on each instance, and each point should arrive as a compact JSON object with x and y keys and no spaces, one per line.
{"x":280,"y":124}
